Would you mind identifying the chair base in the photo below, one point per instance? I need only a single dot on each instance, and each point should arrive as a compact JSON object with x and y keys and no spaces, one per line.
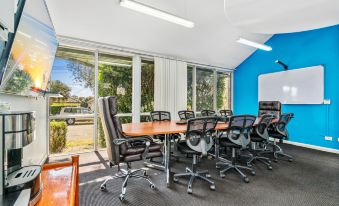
{"x":277,"y":151}
{"x":235,"y":167}
{"x":203,"y":175}
{"x":127,"y":174}
{"x":264,"y":160}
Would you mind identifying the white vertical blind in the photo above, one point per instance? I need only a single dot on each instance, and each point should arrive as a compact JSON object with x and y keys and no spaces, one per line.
{"x":136,"y":88}
{"x":170,"y":85}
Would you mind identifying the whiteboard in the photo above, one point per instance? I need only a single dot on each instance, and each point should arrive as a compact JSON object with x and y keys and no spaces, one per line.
{"x":297,"y":86}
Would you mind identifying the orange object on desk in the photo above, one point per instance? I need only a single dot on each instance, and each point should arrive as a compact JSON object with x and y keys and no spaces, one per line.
{"x":60,"y":184}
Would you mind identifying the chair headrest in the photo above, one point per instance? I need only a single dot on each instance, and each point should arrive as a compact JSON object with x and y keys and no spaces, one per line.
{"x":112,"y":102}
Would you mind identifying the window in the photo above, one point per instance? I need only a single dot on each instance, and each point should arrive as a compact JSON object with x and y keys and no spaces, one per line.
{"x":115,"y":79}
{"x":223,"y":91}
{"x":204,"y":89}
{"x":208,"y":89}
{"x":73,"y":77}
{"x":147,"y":89}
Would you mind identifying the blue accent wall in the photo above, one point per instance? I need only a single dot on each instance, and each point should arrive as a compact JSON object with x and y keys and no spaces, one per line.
{"x":297,"y":50}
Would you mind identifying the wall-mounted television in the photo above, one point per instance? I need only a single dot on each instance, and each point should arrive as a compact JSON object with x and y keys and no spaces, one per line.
{"x":31,"y":52}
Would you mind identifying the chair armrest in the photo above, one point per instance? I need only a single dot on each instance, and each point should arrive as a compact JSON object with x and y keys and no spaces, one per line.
{"x":145,"y":139}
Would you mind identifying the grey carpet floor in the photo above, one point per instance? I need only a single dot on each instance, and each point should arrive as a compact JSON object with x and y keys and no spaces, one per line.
{"x":312,"y":179}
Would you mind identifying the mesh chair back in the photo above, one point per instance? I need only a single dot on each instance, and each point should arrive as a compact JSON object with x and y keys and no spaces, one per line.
{"x":207,"y":113}
{"x":186,"y":114}
{"x":269,"y":107}
{"x":226,"y":112}
{"x":160,"y":116}
{"x":282,"y":123}
{"x":107,"y":110}
{"x":199,"y":133}
{"x":239,"y":129}
{"x":262,"y":126}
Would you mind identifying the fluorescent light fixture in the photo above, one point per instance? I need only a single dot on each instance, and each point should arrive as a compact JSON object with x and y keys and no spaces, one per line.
{"x":136,"y":6}
{"x":254,"y":44}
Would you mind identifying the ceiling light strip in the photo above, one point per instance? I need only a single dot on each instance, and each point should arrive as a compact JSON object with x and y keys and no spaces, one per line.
{"x":142,"y":8}
{"x":254,"y":44}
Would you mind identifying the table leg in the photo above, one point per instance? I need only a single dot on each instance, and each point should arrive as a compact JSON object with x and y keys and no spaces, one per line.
{"x":167,"y":148}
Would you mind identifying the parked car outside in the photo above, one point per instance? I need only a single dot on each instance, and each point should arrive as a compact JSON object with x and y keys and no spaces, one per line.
{"x":73,"y":114}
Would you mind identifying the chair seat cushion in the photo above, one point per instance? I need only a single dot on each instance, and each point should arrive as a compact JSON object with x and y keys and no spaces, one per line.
{"x":141,"y":148}
{"x":257,"y":139}
{"x":184,"y":148}
{"x":137,"y":157}
{"x":227,"y":143}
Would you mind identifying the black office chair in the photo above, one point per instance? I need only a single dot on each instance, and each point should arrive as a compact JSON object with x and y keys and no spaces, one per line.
{"x":207,"y":113}
{"x":278,"y":131}
{"x":226,"y":112}
{"x":160,"y":116}
{"x":198,"y":142}
{"x":269,"y":107}
{"x":120,"y":149}
{"x":186,"y":114}
{"x":236,"y":137}
{"x":259,"y":137}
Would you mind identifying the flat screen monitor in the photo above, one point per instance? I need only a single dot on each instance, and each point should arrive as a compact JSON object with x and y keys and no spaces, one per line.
{"x":32,"y":52}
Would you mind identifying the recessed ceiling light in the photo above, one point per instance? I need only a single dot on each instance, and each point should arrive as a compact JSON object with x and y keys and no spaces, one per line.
{"x":136,"y":6}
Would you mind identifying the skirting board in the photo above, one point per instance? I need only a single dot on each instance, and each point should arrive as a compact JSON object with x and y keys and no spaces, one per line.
{"x":324,"y":149}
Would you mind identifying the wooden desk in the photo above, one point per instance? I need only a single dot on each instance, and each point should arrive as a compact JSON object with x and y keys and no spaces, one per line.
{"x":162,"y":127}
{"x":60,"y":184}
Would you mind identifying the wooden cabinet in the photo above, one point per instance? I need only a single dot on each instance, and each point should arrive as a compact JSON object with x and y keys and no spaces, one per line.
{"x":60,"y":184}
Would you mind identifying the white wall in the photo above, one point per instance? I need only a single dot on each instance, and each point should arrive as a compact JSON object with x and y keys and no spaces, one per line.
{"x":36,"y":152}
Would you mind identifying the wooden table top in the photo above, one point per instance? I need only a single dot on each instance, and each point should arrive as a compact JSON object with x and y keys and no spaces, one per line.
{"x":156,"y":128}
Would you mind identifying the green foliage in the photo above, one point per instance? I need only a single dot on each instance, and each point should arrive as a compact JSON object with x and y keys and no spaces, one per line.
{"x":205,"y":89}
{"x":59,"y":87}
{"x":116,"y":81}
{"x":19,"y":82}
{"x":101,"y":139}
{"x":147,"y":86}
{"x":58,"y":132}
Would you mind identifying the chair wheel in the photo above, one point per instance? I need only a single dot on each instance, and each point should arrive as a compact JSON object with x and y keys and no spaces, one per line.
{"x":208,"y":175}
{"x":218,"y":167}
{"x":252,"y":172}
{"x":269,"y":167}
{"x":175,"y":179}
{"x":189,"y":190}
{"x":103,"y":187}
{"x":275,"y":160}
{"x":290,"y":160}
{"x":152,"y":186}
{"x":269,"y":161}
{"x":246,"y":180}
{"x":222,"y":175}
{"x":122,"y":197}
{"x":249,"y":165}
{"x":212,"y":187}
{"x":144,"y":173}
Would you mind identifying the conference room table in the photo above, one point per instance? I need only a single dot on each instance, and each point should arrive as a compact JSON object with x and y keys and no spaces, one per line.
{"x":165,"y":128}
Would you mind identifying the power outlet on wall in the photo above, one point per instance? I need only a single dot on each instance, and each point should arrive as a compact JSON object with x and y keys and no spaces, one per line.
{"x":329,"y":138}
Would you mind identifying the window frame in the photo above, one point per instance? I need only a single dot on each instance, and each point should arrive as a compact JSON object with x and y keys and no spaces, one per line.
{"x":215,"y":80}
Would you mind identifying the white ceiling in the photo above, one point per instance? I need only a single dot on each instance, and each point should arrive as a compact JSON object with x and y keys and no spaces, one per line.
{"x":211,"y":41}
{"x":272,"y":17}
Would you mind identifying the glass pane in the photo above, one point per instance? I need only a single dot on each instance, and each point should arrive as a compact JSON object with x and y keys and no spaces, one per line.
{"x":204,"y":89}
{"x":147,"y":86}
{"x":115,"y":79}
{"x":71,"y":130}
{"x":190,"y":88}
{"x":223,"y":91}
